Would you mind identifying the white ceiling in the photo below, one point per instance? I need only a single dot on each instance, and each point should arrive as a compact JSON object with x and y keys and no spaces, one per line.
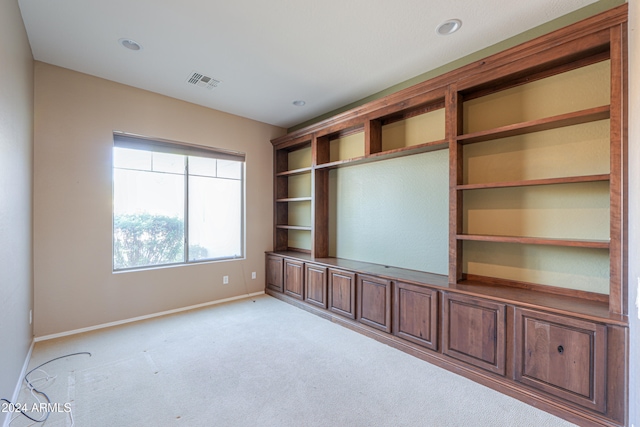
{"x":269,"y":53}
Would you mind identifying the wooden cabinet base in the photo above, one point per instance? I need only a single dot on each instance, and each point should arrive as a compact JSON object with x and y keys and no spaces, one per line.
{"x":416,"y":314}
{"x":562,"y":356}
{"x":315,"y":282}
{"x":342,"y":293}
{"x":474,"y":332}
{"x":374,"y":302}
{"x":503,"y":385}
{"x":274,"y":273}
{"x":570,"y":361}
{"x":294,"y":278}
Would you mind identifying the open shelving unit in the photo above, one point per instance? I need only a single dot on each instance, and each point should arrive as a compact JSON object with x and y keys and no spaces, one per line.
{"x":536,"y":142}
{"x":556,"y":89}
{"x":293,"y":198}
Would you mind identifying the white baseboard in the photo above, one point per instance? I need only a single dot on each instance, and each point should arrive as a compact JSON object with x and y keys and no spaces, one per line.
{"x":148,"y":316}
{"x":16,"y":392}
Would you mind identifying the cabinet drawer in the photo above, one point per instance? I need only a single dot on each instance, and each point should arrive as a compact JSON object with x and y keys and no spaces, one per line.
{"x":374,"y":302}
{"x":415,"y":315}
{"x":562,"y":356}
{"x":474,"y":331}
{"x":274,"y":273}
{"x":315,"y":284}
{"x":294,"y":278}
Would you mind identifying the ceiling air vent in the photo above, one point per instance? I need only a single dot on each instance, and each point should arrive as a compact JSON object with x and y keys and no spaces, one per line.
{"x":200,"y":80}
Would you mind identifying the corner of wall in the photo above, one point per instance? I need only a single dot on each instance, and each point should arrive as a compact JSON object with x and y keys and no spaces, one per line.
{"x":16,"y":189}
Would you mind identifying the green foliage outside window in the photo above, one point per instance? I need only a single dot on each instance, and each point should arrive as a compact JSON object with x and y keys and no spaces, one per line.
{"x":146,"y":239}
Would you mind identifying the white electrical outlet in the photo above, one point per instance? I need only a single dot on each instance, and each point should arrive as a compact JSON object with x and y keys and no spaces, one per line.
{"x":253,"y":275}
{"x":225,"y":280}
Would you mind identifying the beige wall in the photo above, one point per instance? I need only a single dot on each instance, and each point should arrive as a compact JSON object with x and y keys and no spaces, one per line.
{"x":16,"y":167}
{"x":74,"y":283}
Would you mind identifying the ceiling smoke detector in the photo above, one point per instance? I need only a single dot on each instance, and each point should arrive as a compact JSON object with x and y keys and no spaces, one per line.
{"x":200,"y":80}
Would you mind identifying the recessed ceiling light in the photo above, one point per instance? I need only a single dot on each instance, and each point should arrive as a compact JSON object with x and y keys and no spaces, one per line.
{"x":449,"y":27}
{"x":299,"y":103}
{"x":130,"y":44}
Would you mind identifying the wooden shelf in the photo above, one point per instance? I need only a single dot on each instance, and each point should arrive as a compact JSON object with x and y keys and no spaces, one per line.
{"x":294,"y":199}
{"x":533,"y":182}
{"x":294,"y":227}
{"x":569,"y":119}
{"x":294,"y":172}
{"x":390,"y":154}
{"x":347,"y":162}
{"x":593,"y":244}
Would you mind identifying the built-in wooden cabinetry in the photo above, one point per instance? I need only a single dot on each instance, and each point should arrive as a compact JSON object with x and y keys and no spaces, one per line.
{"x":315,"y":285}
{"x":562,"y":356}
{"x":533,"y":304}
{"x":293,"y":278}
{"x":565,"y":355}
{"x":475,"y":331}
{"x":342,"y":293}
{"x":293,"y":197}
{"x":275,"y":271}
{"x":374,"y":302}
{"x":416,"y":314}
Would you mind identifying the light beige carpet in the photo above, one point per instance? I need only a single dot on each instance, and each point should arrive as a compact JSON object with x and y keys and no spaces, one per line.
{"x":262,"y":363}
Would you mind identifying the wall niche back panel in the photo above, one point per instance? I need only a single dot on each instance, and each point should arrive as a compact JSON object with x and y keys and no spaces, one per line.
{"x":393,"y":212}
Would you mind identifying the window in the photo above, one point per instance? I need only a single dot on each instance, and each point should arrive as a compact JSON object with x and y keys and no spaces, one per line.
{"x":175,"y":203}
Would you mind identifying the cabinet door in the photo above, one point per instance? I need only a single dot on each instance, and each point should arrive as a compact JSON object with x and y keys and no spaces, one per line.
{"x":342,"y":293}
{"x":474,"y":331}
{"x":562,"y":356}
{"x":374,"y":302}
{"x":274,"y":273}
{"x":294,"y":278}
{"x":415,"y":314}
{"x":315,"y":282}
